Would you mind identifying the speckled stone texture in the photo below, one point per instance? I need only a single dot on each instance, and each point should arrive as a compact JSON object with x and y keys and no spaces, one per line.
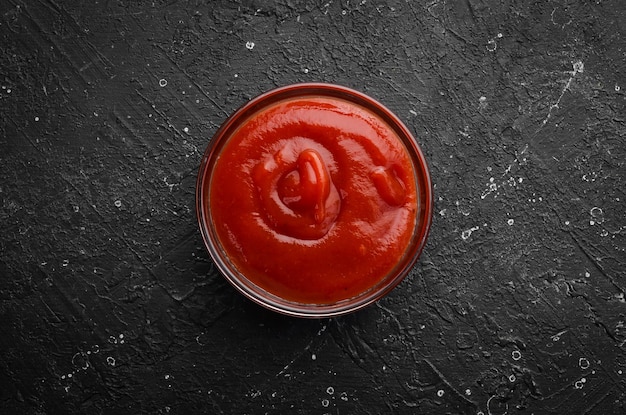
{"x":109,"y":303}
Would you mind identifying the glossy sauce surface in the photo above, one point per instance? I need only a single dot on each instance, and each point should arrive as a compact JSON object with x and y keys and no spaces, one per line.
{"x":314,"y":199}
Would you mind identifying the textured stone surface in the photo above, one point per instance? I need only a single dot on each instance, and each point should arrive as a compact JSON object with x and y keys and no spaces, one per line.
{"x":110,"y":304}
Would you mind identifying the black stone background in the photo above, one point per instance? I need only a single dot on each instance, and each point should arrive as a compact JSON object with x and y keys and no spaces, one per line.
{"x":110,"y":304}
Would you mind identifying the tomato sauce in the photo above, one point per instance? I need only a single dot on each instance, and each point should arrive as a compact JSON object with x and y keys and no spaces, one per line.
{"x":314,"y":199}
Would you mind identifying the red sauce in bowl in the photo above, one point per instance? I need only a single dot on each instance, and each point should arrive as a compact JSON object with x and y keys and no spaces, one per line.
{"x":314,"y":200}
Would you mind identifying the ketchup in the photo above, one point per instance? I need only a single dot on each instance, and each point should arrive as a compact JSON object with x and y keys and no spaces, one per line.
{"x":314,"y":199}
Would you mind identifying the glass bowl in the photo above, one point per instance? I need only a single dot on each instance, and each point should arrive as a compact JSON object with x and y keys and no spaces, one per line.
{"x":215,"y":232}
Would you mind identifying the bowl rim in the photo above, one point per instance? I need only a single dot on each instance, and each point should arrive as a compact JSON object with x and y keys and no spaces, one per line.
{"x":257,"y":294}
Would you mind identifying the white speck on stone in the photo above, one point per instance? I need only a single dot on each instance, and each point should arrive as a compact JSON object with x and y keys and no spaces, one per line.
{"x":313,"y":357}
{"x":516,"y":355}
{"x":597,"y":215}
{"x":249,"y":45}
{"x":579,"y":67}
{"x":330,"y":390}
{"x":510,"y":222}
{"x":186,"y":129}
{"x":583,"y":363}
{"x":587,"y":274}
{"x":163,"y":83}
{"x":118,"y":203}
{"x":491,"y":45}
{"x":440,"y":393}
{"x":468,"y":392}
{"x":36,"y":118}
{"x":512,"y":378}
{"x":325,"y":403}
{"x":468,"y":232}
{"x":111,"y":361}
{"x":617,"y":88}
{"x":305,"y":70}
